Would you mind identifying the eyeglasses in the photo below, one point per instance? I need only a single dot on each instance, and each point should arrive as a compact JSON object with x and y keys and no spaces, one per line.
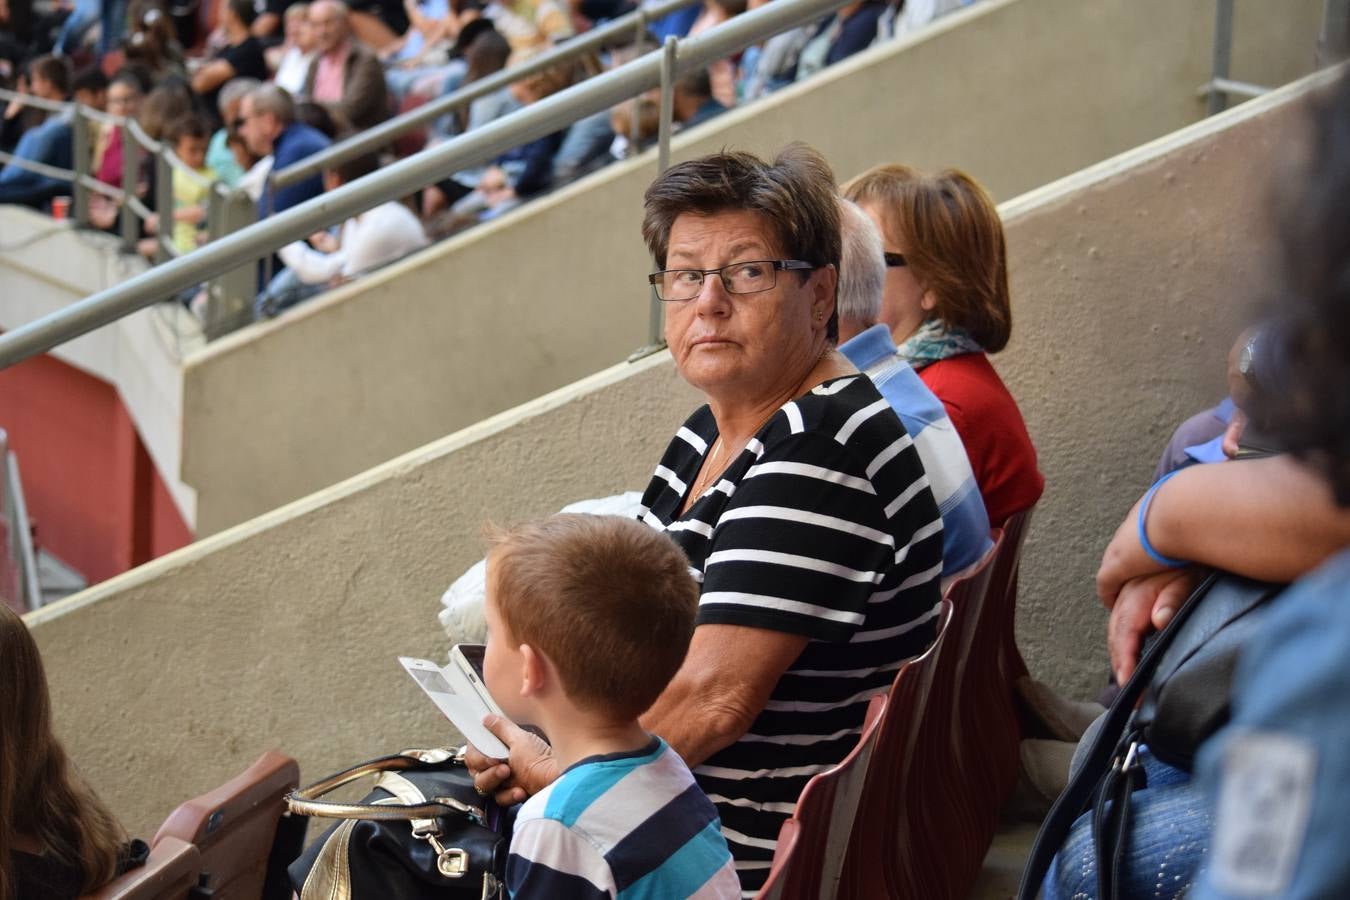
{"x":895,"y":260}
{"x":748,"y":277}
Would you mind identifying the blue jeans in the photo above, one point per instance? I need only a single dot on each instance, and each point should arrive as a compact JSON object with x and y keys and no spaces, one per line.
{"x":1169,"y":834}
{"x":76,"y":26}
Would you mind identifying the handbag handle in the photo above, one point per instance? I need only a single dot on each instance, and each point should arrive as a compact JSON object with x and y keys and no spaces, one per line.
{"x":1076,"y":795}
{"x":306,"y":801}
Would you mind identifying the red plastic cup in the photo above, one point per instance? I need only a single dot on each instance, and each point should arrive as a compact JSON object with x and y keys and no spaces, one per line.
{"x":60,"y":208}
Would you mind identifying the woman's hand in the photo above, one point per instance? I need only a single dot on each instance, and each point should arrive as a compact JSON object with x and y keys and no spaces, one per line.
{"x":1124,"y":560}
{"x":528,"y":769}
{"x":1145,"y":605}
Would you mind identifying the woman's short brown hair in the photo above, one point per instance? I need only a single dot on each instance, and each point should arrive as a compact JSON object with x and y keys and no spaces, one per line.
{"x":795,"y":194}
{"x":953,"y":242}
{"x":607,"y":599}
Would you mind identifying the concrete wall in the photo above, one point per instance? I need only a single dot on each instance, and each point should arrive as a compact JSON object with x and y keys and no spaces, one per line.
{"x":1128,"y":279}
{"x":46,"y":266}
{"x":1019,"y":92}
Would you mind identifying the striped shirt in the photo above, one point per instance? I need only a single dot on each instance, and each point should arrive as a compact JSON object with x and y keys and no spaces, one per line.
{"x":823,"y":526}
{"x":623,"y":825}
{"x":965,"y":524}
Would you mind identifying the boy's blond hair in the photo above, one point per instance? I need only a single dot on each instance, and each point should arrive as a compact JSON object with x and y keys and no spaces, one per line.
{"x":609,"y":600}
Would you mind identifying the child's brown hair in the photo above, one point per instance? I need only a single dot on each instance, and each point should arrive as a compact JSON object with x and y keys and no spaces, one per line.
{"x":609,"y":600}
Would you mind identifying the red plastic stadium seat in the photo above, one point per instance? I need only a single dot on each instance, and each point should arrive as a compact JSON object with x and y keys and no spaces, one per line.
{"x":169,"y":874}
{"x":784,"y":860}
{"x":234,"y":826}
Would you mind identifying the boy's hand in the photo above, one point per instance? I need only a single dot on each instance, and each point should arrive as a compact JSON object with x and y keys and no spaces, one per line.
{"x":529,"y":768}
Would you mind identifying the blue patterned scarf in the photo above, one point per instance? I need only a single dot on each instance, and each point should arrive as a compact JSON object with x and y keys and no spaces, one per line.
{"x":936,"y":341}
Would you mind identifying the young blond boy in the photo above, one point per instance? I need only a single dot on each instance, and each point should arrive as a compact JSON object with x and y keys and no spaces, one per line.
{"x":589,"y":617}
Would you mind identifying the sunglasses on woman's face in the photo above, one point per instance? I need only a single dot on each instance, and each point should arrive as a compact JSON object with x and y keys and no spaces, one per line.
{"x":894,"y":260}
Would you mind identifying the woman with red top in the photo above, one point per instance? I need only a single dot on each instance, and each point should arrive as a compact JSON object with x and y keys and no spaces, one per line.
{"x":947,"y":306}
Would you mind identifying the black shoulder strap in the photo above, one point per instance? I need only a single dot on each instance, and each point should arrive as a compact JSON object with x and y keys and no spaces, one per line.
{"x":1071,"y":804}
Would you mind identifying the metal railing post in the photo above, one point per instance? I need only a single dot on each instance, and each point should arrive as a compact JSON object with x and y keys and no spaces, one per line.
{"x":131,"y":164}
{"x":29,"y":586}
{"x":83,"y":151}
{"x":635,"y":117}
{"x":230,"y":295}
{"x":668,"y":59}
{"x":1335,"y":34}
{"x":163,"y":206}
{"x":1223,"y":55}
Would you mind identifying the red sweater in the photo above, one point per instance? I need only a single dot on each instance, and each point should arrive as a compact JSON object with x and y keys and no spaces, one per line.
{"x":990,"y":425}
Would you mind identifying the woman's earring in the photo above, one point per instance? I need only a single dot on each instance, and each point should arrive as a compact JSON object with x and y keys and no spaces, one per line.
{"x":819,"y":315}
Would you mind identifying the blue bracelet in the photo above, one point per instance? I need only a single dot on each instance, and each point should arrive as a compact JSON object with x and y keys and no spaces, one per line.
{"x":1143,"y":532}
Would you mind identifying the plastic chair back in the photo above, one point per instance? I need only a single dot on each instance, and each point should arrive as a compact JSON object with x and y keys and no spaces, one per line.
{"x":170,"y":873}
{"x":880,"y":862}
{"x":235,"y":826}
{"x":825,"y":816}
{"x":784,"y":860}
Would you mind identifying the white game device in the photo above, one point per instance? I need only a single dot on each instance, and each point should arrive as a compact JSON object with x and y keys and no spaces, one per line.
{"x":462,"y":700}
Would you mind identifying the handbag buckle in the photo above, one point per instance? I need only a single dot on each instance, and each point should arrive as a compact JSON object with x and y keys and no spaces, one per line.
{"x":452,"y":863}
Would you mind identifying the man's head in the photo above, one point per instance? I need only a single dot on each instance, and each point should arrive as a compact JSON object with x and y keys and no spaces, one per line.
{"x":49,"y":78}
{"x":691,"y":92}
{"x":189,"y":137}
{"x":264,"y":113}
{"x":596,"y":610}
{"x":90,"y":87}
{"x":231,"y":98}
{"x":862,"y":271}
{"x":239,"y":14}
{"x":298,"y":32}
{"x":328,"y":24}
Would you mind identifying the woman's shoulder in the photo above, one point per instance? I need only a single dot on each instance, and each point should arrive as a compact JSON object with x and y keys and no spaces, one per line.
{"x":40,"y":877}
{"x":847,"y":412}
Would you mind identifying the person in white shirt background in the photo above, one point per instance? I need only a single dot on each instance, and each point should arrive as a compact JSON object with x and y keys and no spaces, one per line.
{"x":364,"y":242}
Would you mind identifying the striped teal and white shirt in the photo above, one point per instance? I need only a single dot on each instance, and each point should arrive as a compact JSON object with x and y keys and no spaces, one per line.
{"x":824,"y":526}
{"x":624,"y":825}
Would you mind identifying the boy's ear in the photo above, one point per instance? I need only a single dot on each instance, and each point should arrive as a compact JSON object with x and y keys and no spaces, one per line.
{"x":534,"y":672}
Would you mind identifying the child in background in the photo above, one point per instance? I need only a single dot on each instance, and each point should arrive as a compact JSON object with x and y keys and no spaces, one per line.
{"x":589,"y":618}
{"x":189,"y":137}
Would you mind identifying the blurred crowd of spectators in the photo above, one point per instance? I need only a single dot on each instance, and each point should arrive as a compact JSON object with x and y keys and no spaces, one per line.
{"x":238,"y":88}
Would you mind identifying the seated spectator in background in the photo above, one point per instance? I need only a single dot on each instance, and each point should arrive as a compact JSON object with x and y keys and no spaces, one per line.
{"x":320,"y":118}
{"x":852,"y":28}
{"x":947,"y":305}
{"x":344,"y":76}
{"x":900,"y":19}
{"x":693,"y":99}
{"x":269,"y":128}
{"x":296,"y":55}
{"x":623,"y":800}
{"x":48,"y":143}
{"x":675,"y":24}
{"x":153,"y":42}
{"x":59,"y":839}
{"x":125,"y":93}
{"x":365,"y":241}
{"x":722,"y":72}
{"x":377,"y":23}
{"x":242,"y":56}
{"x":190,"y":137}
{"x":220,"y":157}
{"x":529,"y":24}
{"x":766,"y":67}
{"x":868,"y":345}
{"x":518,"y":174}
{"x":47,"y":78}
{"x":169,"y":102}
{"x":484,"y":52}
{"x":90,"y":88}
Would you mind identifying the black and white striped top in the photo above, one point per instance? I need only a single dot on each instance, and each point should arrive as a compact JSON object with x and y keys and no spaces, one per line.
{"x":824,"y":526}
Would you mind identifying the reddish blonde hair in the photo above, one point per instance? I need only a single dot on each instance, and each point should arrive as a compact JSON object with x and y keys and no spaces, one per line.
{"x":953,"y":240}
{"x":608,"y":599}
{"x":41,"y":796}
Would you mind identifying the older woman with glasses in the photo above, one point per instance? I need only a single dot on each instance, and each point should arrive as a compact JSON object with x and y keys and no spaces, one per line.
{"x":795,"y":492}
{"x":948,"y":307}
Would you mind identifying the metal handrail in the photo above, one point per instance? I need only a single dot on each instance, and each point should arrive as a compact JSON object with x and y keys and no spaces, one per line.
{"x":406,"y":176}
{"x":378,"y":136}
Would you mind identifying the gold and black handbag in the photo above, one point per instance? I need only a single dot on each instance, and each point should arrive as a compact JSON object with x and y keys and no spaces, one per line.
{"x":423,"y":833}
